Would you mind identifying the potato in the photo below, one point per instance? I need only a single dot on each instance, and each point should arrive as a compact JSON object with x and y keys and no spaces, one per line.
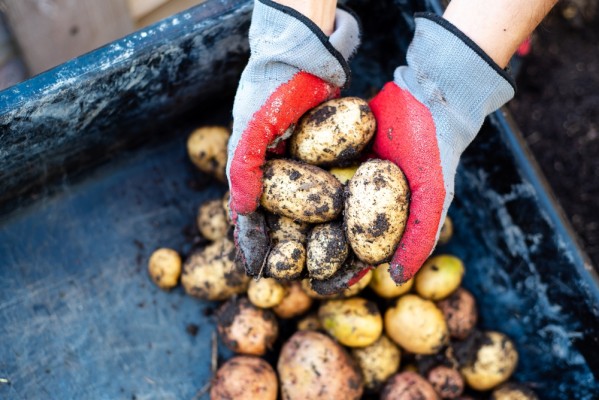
{"x":408,"y":386}
{"x":336,"y":286}
{"x":459,"y":310}
{"x":358,"y":286}
{"x":417,"y":325}
{"x":376,"y":210}
{"x":283,"y":228}
{"x":344,"y":174}
{"x":447,"y":382}
{"x":244,"y":378}
{"x":439,"y":277}
{"x":265,"y":292}
{"x":312,"y":366}
{"x":212,"y":220}
{"x":286,"y":260}
{"x":378,"y":361}
{"x":446,"y":231}
{"x":513,"y":391}
{"x":327,"y":250}
{"x":226,"y":207}
{"x":164,"y":268}
{"x":207,"y":149}
{"x":211,"y":273}
{"x":245,"y":328}
{"x":384,"y":286}
{"x":307,"y":287}
{"x":309,"y":323}
{"x":301,"y":192}
{"x":334,"y":132}
{"x":295,"y":303}
{"x":354,"y":322}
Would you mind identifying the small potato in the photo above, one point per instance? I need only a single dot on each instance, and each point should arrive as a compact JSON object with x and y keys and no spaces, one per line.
{"x":286,"y":260}
{"x":295,"y":303}
{"x":265,"y":292}
{"x":301,"y":192}
{"x":378,"y":361}
{"x":358,"y":286}
{"x":447,"y":382}
{"x":334,"y":132}
{"x":246,"y":329}
{"x":385,"y":286}
{"x":207,"y":149}
{"x":164,"y":268}
{"x":460,"y":313}
{"x":376,"y":210}
{"x":327,"y":250}
{"x":309,"y":323}
{"x":513,"y":391}
{"x":354,"y":322}
{"x":417,"y":325}
{"x":211,"y":273}
{"x":312,"y":366}
{"x":439,"y":277}
{"x":244,"y":378}
{"x":408,"y":386}
{"x":212,"y":220}
{"x":446,"y":231}
{"x":344,"y":174}
{"x":283,"y":228}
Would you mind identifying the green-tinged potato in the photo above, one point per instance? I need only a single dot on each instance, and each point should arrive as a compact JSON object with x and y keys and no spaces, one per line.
{"x":439,"y":277}
{"x":408,"y":386}
{"x":312,"y":366}
{"x":309,"y":323}
{"x":211,"y":273}
{"x":378,"y":361}
{"x":327,"y":250}
{"x":207,"y":149}
{"x":358,"y":286}
{"x":417,"y":325}
{"x":354,"y":322}
{"x":344,"y":174}
{"x":212,"y":220}
{"x":283,"y":228}
{"x":164,"y":268}
{"x":244,"y":378}
{"x":265,"y":292}
{"x":245,"y":328}
{"x":226,"y":207}
{"x":334,"y":132}
{"x":513,"y":391}
{"x":446,"y":231}
{"x":296,"y":302}
{"x":376,"y":210}
{"x":460,"y":313}
{"x":385,"y":286}
{"x":286,"y":260}
{"x":301,"y":192}
{"x":447,"y":382}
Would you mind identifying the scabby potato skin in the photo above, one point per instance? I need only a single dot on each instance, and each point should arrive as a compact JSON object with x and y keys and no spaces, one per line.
{"x":211,"y":273}
{"x":212,"y":220}
{"x":408,"y":386}
{"x":164,"y":268}
{"x":447,"y":381}
{"x":327,"y":250}
{"x":207,"y":149}
{"x":245,"y":328}
{"x":312,"y":366}
{"x":378,"y":361}
{"x":295,"y":303}
{"x":354,"y":322}
{"x":286,"y":260}
{"x":265,"y":292}
{"x":376,"y":210}
{"x":334,"y":132}
{"x":460,"y":313}
{"x":440,"y":276}
{"x":513,"y":391}
{"x":385,"y":286}
{"x":301,"y":192}
{"x":244,"y":378}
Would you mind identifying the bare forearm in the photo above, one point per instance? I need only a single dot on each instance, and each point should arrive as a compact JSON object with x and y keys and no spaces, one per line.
{"x":497,"y":26}
{"x":321,"y":12}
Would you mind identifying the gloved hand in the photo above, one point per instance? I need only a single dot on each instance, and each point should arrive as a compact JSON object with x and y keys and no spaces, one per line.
{"x":426,"y":118}
{"x":293,"y":67}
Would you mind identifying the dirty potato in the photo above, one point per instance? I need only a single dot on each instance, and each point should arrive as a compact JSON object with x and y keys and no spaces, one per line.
{"x":265,"y":292}
{"x":460,"y":313}
{"x":309,"y":323}
{"x":327,"y":250}
{"x":376,"y":210}
{"x":283,"y":228}
{"x":378,"y":361}
{"x":207,"y":149}
{"x":212,"y":220}
{"x":408,"y":386}
{"x":244,"y":378}
{"x":354,"y":322}
{"x":513,"y":391}
{"x":286,"y":260}
{"x":164,"y":268}
{"x":312,"y":366}
{"x":439,"y":277}
{"x":358,"y":286}
{"x":295,"y":303}
{"x":307,"y":287}
{"x":446,"y":381}
{"x":301,"y":192}
{"x":384,"y":286}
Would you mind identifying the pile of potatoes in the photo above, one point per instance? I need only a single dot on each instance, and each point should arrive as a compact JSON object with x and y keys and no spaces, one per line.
{"x":329,"y":217}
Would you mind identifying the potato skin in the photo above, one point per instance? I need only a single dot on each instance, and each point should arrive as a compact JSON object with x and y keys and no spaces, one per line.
{"x":286,"y":260}
{"x":301,"y":192}
{"x":212,"y":220}
{"x":164,"y":268}
{"x":384,"y":286}
{"x":265,"y":292}
{"x":244,"y":378}
{"x":335,"y":132}
{"x":408,"y":386}
{"x":312,"y":366}
{"x":283,"y":228}
{"x":358,"y":286}
{"x":327,"y":250}
{"x":376,"y":210}
{"x":439,"y":277}
{"x":459,"y":310}
{"x":295,"y":303}
{"x":378,"y":361}
{"x":447,"y":382}
{"x":513,"y":391}
{"x":446,"y":231}
{"x":207,"y":149}
{"x":354,"y":322}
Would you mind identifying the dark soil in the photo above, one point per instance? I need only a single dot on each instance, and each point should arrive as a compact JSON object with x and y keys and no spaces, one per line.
{"x":557,"y":109}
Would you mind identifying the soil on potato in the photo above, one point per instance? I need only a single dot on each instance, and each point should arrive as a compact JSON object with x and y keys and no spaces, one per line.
{"x":557,"y":109}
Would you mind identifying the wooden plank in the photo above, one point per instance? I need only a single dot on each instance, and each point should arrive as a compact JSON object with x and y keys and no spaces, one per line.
{"x":50,"y":32}
{"x":165,"y":10}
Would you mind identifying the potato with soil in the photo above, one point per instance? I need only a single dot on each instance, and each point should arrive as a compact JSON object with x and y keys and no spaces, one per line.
{"x":164,"y":268}
{"x":327,"y":250}
{"x":439,"y":277}
{"x":376,"y":210}
{"x":358,"y":286}
{"x":211,"y":273}
{"x":513,"y":391}
{"x":408,"y":386}
{"x":384,"y":286}
{"x":283,"y":228}
{"x":309,"y":323}
{"x":447,"y":382}
{"x":460,"y":313}
{"x":312,"y":366}
{"x":296,"y":302}
{"x":244,"y":378}
{"x":265,"y":292}
{"x":286,"y":260}
{"x":378,"y":361}
{"x":207,"y":149}
{"x":301,"y":192}
{"x":354,"y":322}
{"x":212,"y":220}
{"x":335,"y":132}
{"x":245,"y":328}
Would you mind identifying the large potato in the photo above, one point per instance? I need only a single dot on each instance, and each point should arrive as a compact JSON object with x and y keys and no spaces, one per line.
{"x":378,"y":361}
{"x":354,"y":322}
{"x":376,"y":210}
{"x":212,"y":220}
{"x":327,"y":250}
{"x":207,"y":149}
{"x":244,"y":378}
{"x":312,"y":366}
{"x":301,"y":192}
{"x":334,"y":132}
